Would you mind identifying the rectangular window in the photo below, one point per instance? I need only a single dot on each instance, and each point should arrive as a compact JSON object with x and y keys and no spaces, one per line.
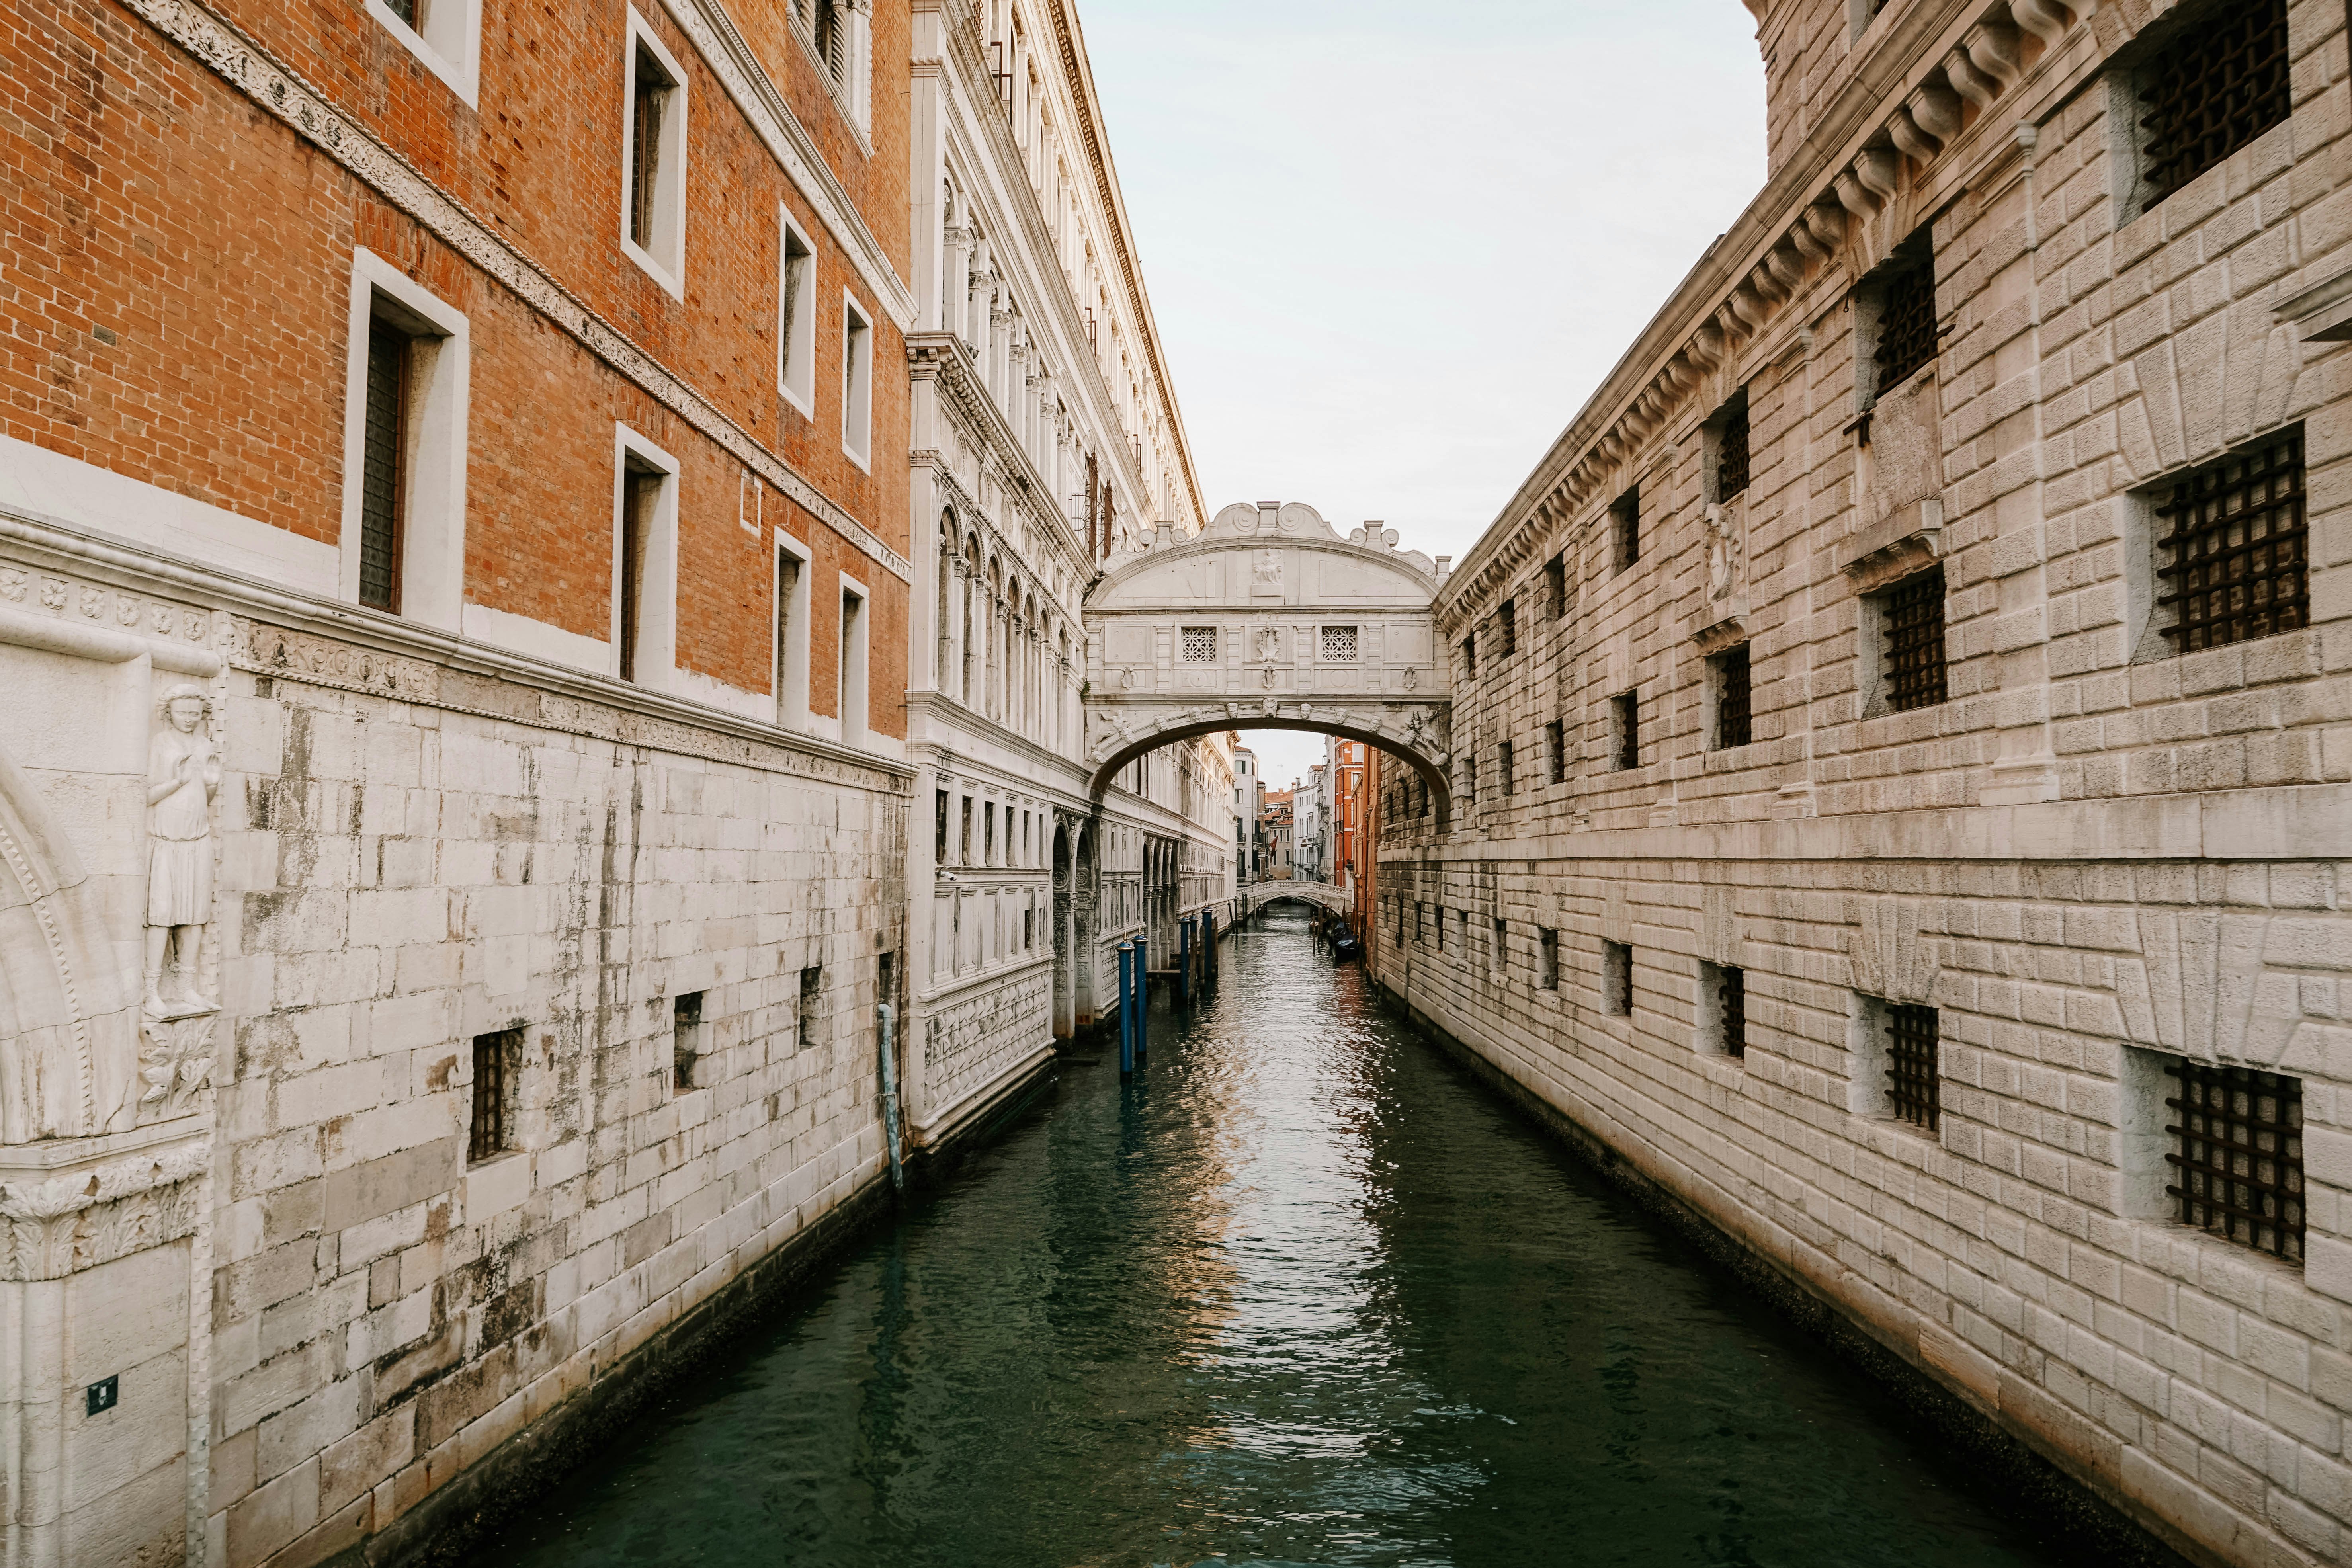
{"x":796,"y":318}
{"x":444,"y":35}
{"x":939,"y":832}
{"x":1338,"y":644}
{"x":2237,"y":1155}
{"x":1617,"y":979}
{"x":2236,"y":550}
{"x":653,"y":187}
{"x":1547,"y":958}
{"x":1729,"y":440}
{"x":1625,"y":529}
{"x":1200,"y":644}
{"x":1625,"y":729}
{"x":1469,"y":780}
{"x":2215,"y":87}
{"x":1556,"y":750}
{"x":853,"y":701}
{"x":988,"y":833}
{"x":1421,"y":922}
{"x":644,"y":490}
{"x":1507,"y":623}
{"x":792,"y":674}
{"x":812,"y":998}
{"x":856,"y":381}
{"x":1734,"y":717}
{"x":1723,"y":1007}
{"x":491,"y":1130}
{"x":1462,"y":934}
{"x":966,"y":857}
{"x":1469,"y":656}
{"x":383,"y":498}
{"x":1028,"y":930}
{"x":686,"y":1039}
{"x":1912,"y":632}
{"x":1913,"y":1047}
{"x":1499,"y":955}
{"x":1906,"y":302}
{"x":1556,"y":586}
{"x":1502,"y":767}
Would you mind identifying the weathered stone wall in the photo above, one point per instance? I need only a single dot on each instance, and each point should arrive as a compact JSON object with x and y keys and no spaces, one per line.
{"x":411,"y":859}
{"x":2095,"y":856}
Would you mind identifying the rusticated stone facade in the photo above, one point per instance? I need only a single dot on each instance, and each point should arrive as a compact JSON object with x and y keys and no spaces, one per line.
{"x":1882,"y":949}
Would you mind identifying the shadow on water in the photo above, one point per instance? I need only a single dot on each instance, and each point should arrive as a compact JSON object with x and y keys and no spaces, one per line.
{"x":1301,"y":1292}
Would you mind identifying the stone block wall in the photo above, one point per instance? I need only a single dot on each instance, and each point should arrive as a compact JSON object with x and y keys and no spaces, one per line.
{"x":2096,"y":858}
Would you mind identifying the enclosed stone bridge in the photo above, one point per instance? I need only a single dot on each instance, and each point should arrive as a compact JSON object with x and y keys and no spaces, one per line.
{"x":1267,"y":619}
{"x":1324,"y":895}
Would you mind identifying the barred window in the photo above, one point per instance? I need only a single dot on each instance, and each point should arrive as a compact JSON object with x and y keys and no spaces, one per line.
{"x":2237,"y":1155}
{"x":1556,"y":586}
{"x":1625,"y":529}
{"x":1625,"y":726}
{"x":1506,"y":621}
{"x":490,"y":1131}
{"x":1200,"y":644}
{"x":1734,"y":717}
{"x":1469,"y":656}
{"x":1556,"y":750}
{"x":812,"y":998}
{"x":1547,"y":958}
{"x":1502,"y":767}
{"x":1731,"y":453}
{"x":2213,"y":90}
{"x":1913,"y":1043}
{"x":1723,"y":1007}
{"x":686,"y":1039}
{"x":1914,"y":637}
{"x":1907,"y":322}
{"x":2239,"y":549}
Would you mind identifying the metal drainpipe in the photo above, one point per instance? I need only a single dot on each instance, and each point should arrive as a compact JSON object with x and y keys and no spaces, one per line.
{"x":890,"y":1098}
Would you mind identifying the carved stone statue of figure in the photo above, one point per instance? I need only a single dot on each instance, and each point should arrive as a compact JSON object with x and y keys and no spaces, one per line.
{"x":1723,"y":561}
{"x":183,"y":775}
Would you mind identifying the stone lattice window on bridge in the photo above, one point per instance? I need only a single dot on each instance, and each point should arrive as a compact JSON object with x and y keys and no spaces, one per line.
{"x":1339,"y":644}
{"x":1200,"y":645}
{"x":2238,"y":546}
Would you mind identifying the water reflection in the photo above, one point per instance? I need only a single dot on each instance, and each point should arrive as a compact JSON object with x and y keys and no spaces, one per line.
{"x":1299,"y":1293}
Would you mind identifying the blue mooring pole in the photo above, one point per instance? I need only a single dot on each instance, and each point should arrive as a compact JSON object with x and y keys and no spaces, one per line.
{"x":1142,"y":1001}
{"x":1126,"y":1010}
{"x":1184,"y":961}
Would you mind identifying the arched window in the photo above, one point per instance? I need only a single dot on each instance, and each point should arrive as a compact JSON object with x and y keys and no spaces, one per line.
{"x":945,"y":625}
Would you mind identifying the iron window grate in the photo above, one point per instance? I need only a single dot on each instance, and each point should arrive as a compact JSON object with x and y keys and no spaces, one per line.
{"x":1734,"y":721}
{"x":1617,"y":979}
{"x":1556,"y":586}
{"x":1731,"y":998}
{"x":487,"y":1133}
{"x":2214,"y":90}
{"x":1906,"y":324}
{"x":1628,"y":729}
{"x":2239,"y":547}
{"x":380,"y":467}
{"x":1556,"y":750}
{"x":1506,"y":618}
{"x":1731,"y":455}
{"x":1912,"y":1040}
{"x":1914,"y":642}
{"x":2238,"y":1155}
{"x":1625,"y":514}
{"x":1200,"y":645}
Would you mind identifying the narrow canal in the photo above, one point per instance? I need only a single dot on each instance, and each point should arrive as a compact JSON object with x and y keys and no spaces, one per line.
{"x":1301,"y":1293}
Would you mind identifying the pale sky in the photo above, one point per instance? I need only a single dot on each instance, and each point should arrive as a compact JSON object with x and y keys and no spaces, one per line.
{"x":1392,"y":248}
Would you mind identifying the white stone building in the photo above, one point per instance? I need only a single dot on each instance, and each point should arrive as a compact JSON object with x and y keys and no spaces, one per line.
{"x":1045,"y":438}
{"x":1903,"y":771}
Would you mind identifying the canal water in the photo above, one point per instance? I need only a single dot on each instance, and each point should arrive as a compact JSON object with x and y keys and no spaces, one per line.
{"x":1301,"y":1293}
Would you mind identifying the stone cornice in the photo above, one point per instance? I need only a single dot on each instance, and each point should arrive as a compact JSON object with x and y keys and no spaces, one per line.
{"x":1902,"y":106}
{"x":323,"y":642}
{"x":279,"y":92}
{"x":944,"y":358}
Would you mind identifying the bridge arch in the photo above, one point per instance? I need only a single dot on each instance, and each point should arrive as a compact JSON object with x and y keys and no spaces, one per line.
{"x":1269,"y":619}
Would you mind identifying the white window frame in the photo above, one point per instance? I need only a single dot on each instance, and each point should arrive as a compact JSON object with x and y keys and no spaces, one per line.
{"x":856,"y":381}
{"x":449,"y":44}
{"x":856,"y":643}
{"x":665,"y":260}
{"x":433,"y":545}
{"x":789,"y":678}
{"x":795,"y":355}
{"x":656,"y":650}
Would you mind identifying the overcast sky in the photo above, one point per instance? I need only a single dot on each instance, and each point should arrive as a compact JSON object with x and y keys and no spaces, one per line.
{"x":1392,"y":248}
